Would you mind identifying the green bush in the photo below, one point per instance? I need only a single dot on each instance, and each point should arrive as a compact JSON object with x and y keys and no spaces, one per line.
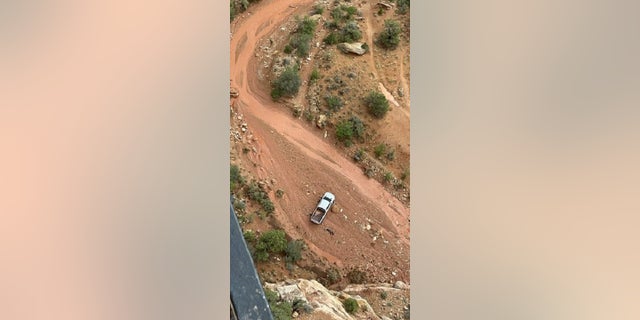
{"x":318,"y":9}
{"x":275,"y":241}
{"x":388,"y":176}
{"x":294,"y":251}
{"x":377,"y":104}
{"x":402,"y":6}
{"x":333,"y":102}
{"x":249,"y":236}
{"x":350,"y":305}
{"x":255,"y":193}
{"x":389,"y":38}
{"x":358,"y":126}
{"x":281,"y":310}
{"x":236,"y":178}
{"x":344,"y":131}
{"x":288,"y":49}
{"x":333,"y":276}
{"x":301,"y":43}
{"x":287,"y":84}
{"x":332,"y":38}
{"x":379,"y":150}
{"x":232,"y":9}
{"x":315,"y":75}
{"x":383,"y":295}
{"x":306,"y":26}
{"x":350,"y":32}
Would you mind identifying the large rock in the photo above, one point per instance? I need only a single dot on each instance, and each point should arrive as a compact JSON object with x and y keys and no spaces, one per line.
{"x":322,"y":300}
{"x":322,"y":121}
{"x":355,"y":47}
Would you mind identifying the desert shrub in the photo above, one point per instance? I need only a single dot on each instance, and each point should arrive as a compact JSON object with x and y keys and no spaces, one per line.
{"x":388,"y":176}
{"x":333,"y":102}
{"x":315,"y":75}
{"x":391,"y":155}
{"x":306,"y":26}
{"x":365,"y":46}
{"x":249,"y":236}
{"x":358,"y":126}
{"x":356,"y":276}
{"x":301,"y":306}
{"x":288,"y":49}
{"x":344,"y":131}
{"x":333,"y":276}
{"x":279,"y":193}
{"x":239,"y":205}
{"x":232,"y":9}
{"x":301,"y":43}
{"x":244,"y":4}
{"x":318,"y":9}
{"x":287,"y":84}
{"x":350,"y":305}
{"x":350,"y":32}
{"x":275,"y":241}
{"x":294,"y":251}
{"x":332,"y":38}
{"x":405,"y":174}
{"x":359,"y":155}
{"x":255,"y":193}
{"x":377,"y":104}
{"x":379,"y":150}
{"x":389,"y":38}
{"x":402,"y":6}
{"x":236,"y":178}
{"x":383,"y":295}
{"x":281,"y":310}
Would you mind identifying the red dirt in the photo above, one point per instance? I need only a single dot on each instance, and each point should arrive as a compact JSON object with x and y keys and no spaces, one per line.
{"x":305,"y":165}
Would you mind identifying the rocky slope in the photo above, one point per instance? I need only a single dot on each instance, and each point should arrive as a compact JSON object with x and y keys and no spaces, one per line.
{"x":375,"y":301}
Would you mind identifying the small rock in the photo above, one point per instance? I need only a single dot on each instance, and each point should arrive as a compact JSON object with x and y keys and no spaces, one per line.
{"x":295,"y":314}
{"x":400,"y":285}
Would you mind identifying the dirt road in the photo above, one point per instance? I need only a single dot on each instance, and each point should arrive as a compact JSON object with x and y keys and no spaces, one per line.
{"x":371,"y":227}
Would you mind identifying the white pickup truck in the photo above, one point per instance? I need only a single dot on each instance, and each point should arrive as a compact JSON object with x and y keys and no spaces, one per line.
{"x":323,"y":208}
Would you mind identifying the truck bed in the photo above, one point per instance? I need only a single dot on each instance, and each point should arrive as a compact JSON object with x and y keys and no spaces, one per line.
{"x":318,"y":215}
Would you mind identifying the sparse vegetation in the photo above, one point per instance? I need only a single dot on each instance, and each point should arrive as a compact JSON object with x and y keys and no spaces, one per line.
{"x":255,"y":193}
{"x":318,"y":9}
{"x":405,"y":174}
{"x":356,"y":276}
{"x":390,"y":36}
{"x":294,"y":251}
{"x":388,"y":176}
{"x":236,"y":178}
{"x":377,"y":104}
{"x":402,"y":6}
{"x":315,"y":75}
{"x":272,"y":241}
{"x":333,"y":276}
{"x":344,"y":131}
{"x":300,"y":40}
{"x":383,"y":295}
{"x":359,"y":155}
{"x":333,"y":102}
{"x":279,"y":193}
{"x":350,"y":305}
{"x":249,"y":236}
{"x":281,"y":310}
{"x":287,"y":84}
{"x":379,"y":150}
